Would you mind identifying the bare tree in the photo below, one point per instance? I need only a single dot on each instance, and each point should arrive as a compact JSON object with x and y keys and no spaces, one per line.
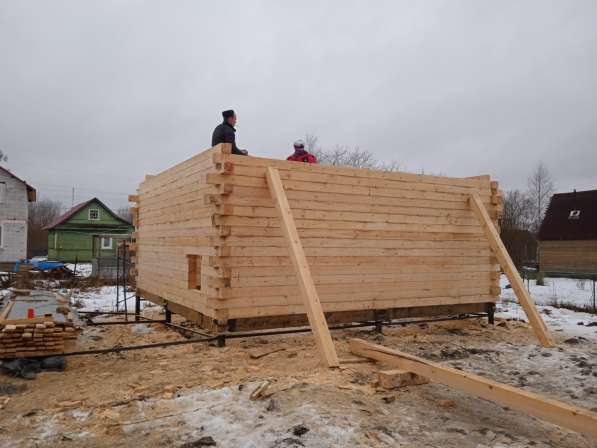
{"x":540,"y":189}
{"x":125,"y":213}
{"x":515,"y":223}
{"x":389,"y":166}
{"x":518,"y":211}
{"x":311,"y":143}
{"x":342,"y":155}
{"x":43,"y":213}
{"x":3,"y":157}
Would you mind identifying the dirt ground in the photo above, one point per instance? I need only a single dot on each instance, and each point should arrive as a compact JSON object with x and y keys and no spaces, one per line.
{"x":197,"y":395}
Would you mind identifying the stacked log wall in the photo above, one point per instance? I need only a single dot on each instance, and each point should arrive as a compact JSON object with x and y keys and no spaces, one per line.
{"x":374,"y":240}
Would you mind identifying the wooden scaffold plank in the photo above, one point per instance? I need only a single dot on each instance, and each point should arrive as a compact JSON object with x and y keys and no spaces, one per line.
{"x":562,"y":414}
{"x":507,"y":264}
{"x":315,"y":314}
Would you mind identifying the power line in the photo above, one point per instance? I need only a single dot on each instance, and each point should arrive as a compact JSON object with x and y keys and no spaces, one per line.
{"x":68,"y":188}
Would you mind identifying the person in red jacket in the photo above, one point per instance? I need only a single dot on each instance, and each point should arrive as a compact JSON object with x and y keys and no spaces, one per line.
{"x":301,"y":154}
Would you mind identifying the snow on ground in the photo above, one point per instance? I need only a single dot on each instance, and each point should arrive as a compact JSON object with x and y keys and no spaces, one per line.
{"x":556,"y":290}
{"x":82,"y":269}
{"x":101,"y":299}
{"x":229,"y":414}
{"x":571,"y":323}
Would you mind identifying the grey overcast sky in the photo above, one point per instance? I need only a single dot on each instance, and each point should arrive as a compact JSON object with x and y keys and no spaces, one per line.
{"x":95,"y":94}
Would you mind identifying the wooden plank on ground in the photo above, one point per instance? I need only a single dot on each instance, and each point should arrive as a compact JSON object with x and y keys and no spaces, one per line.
{"x":315,"y":314}
{"x":562,"y":414}
{"x":393,"y":379}
{"x":505,"y":261}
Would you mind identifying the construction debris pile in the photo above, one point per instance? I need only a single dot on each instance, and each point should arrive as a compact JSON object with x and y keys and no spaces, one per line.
{"x":27,"y":333}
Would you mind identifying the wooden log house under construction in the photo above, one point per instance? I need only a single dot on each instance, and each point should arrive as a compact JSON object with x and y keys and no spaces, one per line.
{"x":380,"y":245}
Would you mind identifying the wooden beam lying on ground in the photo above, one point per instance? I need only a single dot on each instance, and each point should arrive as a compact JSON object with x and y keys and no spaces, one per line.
{"x":393,"y":379}
{"x":315,"y":314}
{"x":507,"y":265}
{"x":564,"y":415}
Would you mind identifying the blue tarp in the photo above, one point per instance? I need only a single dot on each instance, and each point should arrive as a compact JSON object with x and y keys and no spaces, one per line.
{"x":42,"y":265}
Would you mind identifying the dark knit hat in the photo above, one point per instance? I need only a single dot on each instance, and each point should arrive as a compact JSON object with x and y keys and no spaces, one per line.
{"x":227,"y":114}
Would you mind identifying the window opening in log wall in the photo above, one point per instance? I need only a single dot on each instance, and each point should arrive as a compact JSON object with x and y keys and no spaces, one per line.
{"x":194,"y":271}
{"x":574,"y":214}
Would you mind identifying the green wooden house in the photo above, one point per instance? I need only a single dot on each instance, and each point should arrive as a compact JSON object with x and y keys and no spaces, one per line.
{"x":71,"y":236}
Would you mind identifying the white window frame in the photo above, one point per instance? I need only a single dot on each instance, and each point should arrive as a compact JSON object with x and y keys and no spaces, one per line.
{"x":103,"y":241}
{"x":574,"y":214}
{"x":89,"y":214}
{"x":3,"y":192}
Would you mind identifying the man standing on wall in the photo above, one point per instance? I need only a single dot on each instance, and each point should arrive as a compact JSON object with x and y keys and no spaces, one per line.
{"x":301,"y":154}
{"x":225,"y":133}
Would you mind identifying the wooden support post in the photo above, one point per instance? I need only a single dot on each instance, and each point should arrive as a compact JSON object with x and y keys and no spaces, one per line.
{"x":562,"y":414}
{"x":315,"y":314}
{"x":505,"y":261}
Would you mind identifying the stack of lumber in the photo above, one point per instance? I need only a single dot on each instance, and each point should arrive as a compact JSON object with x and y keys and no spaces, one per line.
{"x":35,"y":339}
{"x":48,"y":333}
{"x":208,"y":238}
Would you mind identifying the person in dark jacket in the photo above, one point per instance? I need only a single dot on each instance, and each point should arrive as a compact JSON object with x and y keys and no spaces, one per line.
{"x":301,"y":154}
{"x":225,"y":133}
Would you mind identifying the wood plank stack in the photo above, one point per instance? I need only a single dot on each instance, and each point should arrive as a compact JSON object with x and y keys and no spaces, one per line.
{"x":31,"y":339}
{"x":208,"y":238}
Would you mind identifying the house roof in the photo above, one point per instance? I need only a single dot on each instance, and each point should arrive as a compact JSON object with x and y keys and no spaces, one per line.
{"x":31,"y":193}
{"x":62,"y":219}
{"x":558,"y":225}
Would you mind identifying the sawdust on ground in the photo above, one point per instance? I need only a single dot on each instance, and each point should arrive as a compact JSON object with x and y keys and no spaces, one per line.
{"x":193,"y":395}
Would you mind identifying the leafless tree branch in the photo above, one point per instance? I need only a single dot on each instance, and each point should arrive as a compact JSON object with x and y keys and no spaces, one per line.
{"x":343,"y":155}
{"x":43,"y":213}
{"x":540,"y":189}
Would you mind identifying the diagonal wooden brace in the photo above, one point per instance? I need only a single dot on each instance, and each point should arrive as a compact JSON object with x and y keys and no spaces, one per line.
{"x":507,"y":264}
{"x":315,"y":314}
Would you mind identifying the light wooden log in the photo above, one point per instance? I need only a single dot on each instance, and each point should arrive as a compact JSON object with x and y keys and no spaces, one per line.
{"x":315,"y":314}
{"x":562,"y":414}
{"x":475,"y":181}
{"x":393,"y":379}
{"x":505,"y":261}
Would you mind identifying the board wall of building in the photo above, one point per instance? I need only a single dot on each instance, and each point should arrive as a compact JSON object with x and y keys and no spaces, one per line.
{"x":578,"y":256}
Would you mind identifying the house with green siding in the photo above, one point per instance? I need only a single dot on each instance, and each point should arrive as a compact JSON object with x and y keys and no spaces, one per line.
{"x":71,"y":236}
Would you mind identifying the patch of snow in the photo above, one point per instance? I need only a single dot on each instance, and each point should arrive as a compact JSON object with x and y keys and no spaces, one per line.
{"x":102,"y":299}
{"x":556,"y":289}
{"x":232,"y":419}
{"x":142,"y":328}
{"x":80,"y":414}
{"x":563,"y":290}
{"x":83,"y":269}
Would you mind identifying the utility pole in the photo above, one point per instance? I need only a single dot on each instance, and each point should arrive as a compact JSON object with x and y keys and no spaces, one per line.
{"x":72,"y":204}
